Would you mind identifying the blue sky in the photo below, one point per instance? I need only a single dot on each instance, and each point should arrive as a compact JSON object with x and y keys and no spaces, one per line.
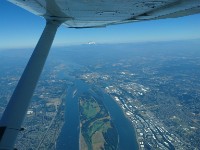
{"x":19,"y":28}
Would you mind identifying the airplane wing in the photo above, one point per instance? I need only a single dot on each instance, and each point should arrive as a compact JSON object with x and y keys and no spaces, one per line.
{"x":100,"y":13}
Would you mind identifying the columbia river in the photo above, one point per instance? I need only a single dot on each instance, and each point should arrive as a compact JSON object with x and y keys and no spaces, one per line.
{"x":69,"y":136}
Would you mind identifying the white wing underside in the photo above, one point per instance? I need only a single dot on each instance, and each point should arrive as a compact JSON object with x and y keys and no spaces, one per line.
{"x":100,"y":13}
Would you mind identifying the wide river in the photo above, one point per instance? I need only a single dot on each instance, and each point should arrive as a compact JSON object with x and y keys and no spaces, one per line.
{"x":69,"y":136}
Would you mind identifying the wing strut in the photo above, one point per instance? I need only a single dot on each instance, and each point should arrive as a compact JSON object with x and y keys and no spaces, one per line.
{"x":16,"y":109}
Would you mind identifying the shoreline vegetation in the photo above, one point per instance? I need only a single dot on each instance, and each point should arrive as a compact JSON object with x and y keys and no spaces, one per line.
{"x":96,"y":129}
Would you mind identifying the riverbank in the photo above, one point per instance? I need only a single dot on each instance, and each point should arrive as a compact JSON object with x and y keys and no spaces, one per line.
{"x":136,"y":136}
{"x":70,"y":134}
{"x":97,"y":130}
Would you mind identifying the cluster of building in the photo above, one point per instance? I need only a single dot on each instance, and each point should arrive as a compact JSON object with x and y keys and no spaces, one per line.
{"x":45,"y":116}
{"x":149,"y":131}
{"x":161,"y":99}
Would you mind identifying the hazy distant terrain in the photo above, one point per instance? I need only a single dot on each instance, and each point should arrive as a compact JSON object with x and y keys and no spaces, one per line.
{"x":156,"y":85}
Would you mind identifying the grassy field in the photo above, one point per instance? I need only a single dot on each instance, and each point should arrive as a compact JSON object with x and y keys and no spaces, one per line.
{"x":95,"y":122}
{"x":90,"y":108}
